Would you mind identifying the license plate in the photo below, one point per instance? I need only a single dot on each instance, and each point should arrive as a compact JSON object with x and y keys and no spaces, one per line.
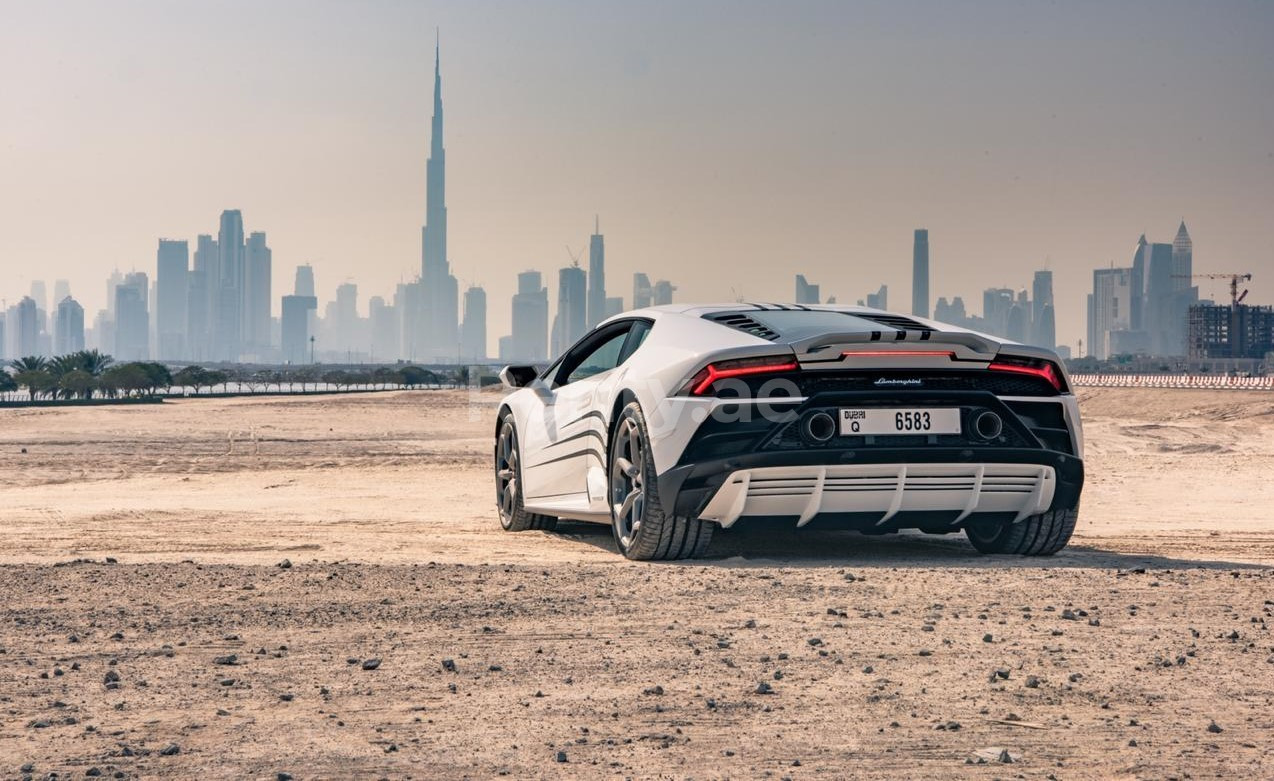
{"x":875,"y":421}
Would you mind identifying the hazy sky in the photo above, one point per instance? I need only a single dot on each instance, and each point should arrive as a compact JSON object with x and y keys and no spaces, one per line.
{"x":726,"y":145}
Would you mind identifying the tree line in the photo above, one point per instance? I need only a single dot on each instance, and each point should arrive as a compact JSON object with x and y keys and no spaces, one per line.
{"x":90,"y":374}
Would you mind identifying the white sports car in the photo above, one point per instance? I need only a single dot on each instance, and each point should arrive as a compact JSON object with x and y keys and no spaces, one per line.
{"x":670,"y":421}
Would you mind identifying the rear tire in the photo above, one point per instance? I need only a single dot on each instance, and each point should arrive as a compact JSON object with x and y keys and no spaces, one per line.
{"x":1038,"y":535}
{"x":643,"y":532}
{"x":508,"y":483}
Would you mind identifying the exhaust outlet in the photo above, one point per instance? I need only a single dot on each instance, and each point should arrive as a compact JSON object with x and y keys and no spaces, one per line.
{"x":988,"y":425}
{"x":818,"y":427}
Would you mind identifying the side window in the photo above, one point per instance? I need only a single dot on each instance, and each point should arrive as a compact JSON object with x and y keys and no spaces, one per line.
{"x":601,"y":357}
{"x":641,"y":329}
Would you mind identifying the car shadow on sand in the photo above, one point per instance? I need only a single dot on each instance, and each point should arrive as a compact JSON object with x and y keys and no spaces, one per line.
{"x":775,"y":547}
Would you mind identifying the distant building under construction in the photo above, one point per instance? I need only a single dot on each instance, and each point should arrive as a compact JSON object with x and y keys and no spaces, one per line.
{"x":1226,"y":332}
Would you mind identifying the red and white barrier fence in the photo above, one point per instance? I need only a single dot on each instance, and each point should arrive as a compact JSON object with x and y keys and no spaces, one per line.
{"x":1182,"y":381}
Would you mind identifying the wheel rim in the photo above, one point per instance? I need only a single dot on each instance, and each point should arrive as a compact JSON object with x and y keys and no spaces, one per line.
{"x":984,"y":531}
{"x":628,"y":481}
{"x":506,"y":472}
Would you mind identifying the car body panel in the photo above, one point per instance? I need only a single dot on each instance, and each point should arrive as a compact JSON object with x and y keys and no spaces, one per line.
{"x":564,"y":429}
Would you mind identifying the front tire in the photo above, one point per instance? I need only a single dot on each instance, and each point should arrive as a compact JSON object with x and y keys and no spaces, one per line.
{"x":1038,"y":535}
{"x":508,"y":483}
{"x":643,"y":532}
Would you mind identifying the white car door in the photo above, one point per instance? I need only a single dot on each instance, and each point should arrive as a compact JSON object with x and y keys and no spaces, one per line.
{"x":566,"y":434}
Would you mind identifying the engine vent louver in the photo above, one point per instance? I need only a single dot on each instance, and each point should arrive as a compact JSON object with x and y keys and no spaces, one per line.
{"x":895,"y":321}
{"x":742,"y":322}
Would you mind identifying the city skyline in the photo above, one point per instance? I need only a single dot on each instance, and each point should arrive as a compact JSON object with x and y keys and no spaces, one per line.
{"x":1058,"y":174}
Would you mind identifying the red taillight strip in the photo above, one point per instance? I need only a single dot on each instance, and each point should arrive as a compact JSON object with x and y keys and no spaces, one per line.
{"x":897,"y":354}
{"x":715,"y":374}
{"x":1045,"y":372}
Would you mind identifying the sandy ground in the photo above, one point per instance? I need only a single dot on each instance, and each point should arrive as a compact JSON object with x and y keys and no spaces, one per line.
{"x":547,"y":655}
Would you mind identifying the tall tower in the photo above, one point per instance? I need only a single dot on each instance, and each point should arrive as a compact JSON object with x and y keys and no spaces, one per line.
{"x":228,"y":314}
{"x":172,"y":299}
{"x":257,"y":276}
{"x":1182,"y":259}
{"x":596,"y":275}
{"x":441,"y":291}
{"x":920,"y":274}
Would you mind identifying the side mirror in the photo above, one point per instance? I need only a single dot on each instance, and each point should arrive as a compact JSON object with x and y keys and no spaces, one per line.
{"x":518,"y":375}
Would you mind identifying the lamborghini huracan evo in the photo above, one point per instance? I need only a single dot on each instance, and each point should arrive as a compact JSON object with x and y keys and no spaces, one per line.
{"x":671,"y":421}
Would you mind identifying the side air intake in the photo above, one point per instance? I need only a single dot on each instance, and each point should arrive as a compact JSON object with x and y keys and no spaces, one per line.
{"x":741,"y":322}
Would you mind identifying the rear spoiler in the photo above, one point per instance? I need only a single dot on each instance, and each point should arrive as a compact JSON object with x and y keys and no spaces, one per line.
{"x":984,"y":348}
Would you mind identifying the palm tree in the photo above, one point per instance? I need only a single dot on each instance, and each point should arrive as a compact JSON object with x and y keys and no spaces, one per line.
{"x":93,"y":361}
{"x":7,"y":383}
{"x":31,"y":363}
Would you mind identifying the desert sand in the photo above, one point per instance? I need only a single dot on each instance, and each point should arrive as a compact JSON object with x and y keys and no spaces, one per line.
{"x":318,"y":587}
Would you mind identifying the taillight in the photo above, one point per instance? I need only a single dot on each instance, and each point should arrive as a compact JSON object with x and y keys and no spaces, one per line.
{"x":1035,"y":368}
{"x":702,"y":382}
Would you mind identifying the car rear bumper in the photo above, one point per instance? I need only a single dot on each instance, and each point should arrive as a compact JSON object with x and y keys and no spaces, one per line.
{"x":932,"y":488}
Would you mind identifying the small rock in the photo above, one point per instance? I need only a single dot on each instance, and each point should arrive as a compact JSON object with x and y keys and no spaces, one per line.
{"x":285,"y":564}
{"x":925,"y":652}
{"x":815,"y":641}
{"x":371,"y":664}
{"x":764,"y":688}
{"x":231,"y":659}
{"x":561,"y":756}
{"x":1032,"y":682}
{"x":283,"y":777}
{"x":170,"y":750}
{"x":987,"y":638}
{"x":1214,"y":727}
{"x":449,"y":665}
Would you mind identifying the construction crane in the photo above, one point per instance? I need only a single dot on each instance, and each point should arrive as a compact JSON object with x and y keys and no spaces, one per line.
{"x":1235,"y":279}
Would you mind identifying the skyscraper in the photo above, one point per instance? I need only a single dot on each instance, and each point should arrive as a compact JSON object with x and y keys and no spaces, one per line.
{"x":663,"y":292}
{"x":920,"y":274}
{"x":473,"y":332}
{"x":643,"y":293}
{"x":69,"y":330}
{"x":228,"y":312}
{"x":596,"y":275}
{"x":1043,"y":329}
{"x":1137,"y":280}
{"x":258,"y":263}
{"x":1182,"y":259}
{"x":23,"y":327}
{"x":201,"y":301}
{"x":879,"y":299}
{"x":441,"y":291}
{"x":805,"y":292}
{"x":294,"y":330}
{"x":572,"y":315}
{"x":172,"y":299}
{"x":530,"y":319}
{"x":304,"y":285}
{"x":1158,"y":313}
{"x":132,"y":318}
{"x":382,"y":323}
{"x":1109,"y":309}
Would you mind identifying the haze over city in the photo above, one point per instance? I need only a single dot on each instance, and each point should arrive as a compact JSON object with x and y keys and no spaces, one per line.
{"x":724,"y":146}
